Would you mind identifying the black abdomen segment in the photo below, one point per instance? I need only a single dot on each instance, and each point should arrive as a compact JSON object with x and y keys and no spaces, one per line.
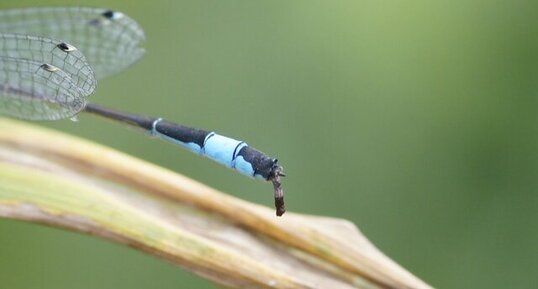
{"x":224,"y":150}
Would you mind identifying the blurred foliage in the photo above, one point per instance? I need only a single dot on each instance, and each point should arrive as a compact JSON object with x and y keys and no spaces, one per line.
{"x":416,"y":120}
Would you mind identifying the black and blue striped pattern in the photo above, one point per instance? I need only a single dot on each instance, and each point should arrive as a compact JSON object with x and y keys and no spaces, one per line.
{"x":224,"y":150}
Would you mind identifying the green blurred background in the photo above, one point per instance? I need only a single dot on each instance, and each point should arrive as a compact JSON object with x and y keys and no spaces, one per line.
{"x":416,"y":120}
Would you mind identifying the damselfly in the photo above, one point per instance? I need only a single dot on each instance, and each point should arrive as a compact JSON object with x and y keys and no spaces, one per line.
{"x":42,"y":78}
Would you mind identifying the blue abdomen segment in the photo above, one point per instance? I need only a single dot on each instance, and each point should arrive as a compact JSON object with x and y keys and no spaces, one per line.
{"x":224,"y":150}
{"x":227,"y":151}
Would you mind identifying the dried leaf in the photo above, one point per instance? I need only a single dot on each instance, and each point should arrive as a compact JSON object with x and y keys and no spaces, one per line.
{"x":60,"y":180}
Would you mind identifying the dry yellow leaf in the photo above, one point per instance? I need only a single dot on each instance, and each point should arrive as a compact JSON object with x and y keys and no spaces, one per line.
{"x":52,"y":178}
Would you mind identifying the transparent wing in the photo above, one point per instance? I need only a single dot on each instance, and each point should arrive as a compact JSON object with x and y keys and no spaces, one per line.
{"x":53,"y":52}
{"x":32,"y":90}
{"x":110,"y":40}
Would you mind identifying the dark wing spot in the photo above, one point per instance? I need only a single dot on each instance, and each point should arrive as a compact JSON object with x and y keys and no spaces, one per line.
{"x":109,"y":14}
{"x":49,"y":67}
{"x":66,"y":47}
